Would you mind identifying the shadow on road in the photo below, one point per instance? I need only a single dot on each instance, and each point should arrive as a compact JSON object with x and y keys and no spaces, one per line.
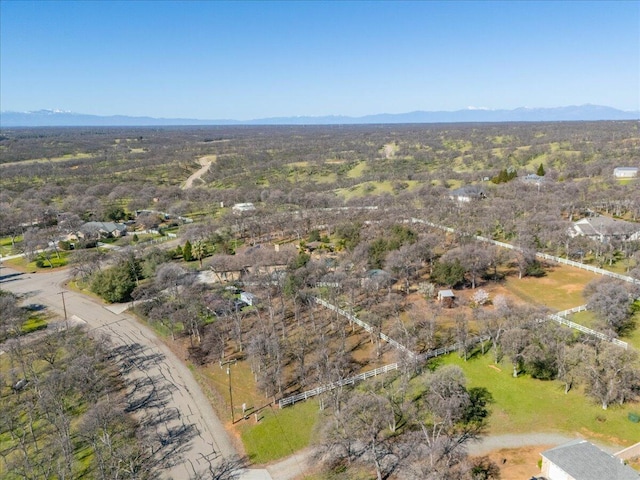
{"x":134,"y":357}
{"x":10,"y":277}
{"x":164,"y":430}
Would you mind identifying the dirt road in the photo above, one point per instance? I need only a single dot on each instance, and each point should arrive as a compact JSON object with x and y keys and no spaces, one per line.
{"x":185,"y":433}
{"x":206,"y":163}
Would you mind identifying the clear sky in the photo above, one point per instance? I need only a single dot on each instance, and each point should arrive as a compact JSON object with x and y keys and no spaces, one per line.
{"x":246,"y":60}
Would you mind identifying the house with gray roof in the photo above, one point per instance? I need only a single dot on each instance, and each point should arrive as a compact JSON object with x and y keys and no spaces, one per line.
{"x":532,"y":179}
{"x":467,"y":193}
{"x":605,"y":229}
{"x":102,"y":230}
{"x":582,"y":460}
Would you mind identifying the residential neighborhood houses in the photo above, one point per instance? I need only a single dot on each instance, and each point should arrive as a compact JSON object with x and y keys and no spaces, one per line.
{"x":285,"y":285}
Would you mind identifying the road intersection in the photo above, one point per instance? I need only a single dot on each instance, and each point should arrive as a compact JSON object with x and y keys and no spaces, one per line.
{"x":186,"y":434}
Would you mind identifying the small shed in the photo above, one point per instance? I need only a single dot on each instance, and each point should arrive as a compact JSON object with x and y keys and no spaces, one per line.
{"x":446,"y":297}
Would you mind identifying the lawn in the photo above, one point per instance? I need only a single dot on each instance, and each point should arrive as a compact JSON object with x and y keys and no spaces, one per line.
{"x":37,"y":322}
{"x":622,"y":267}
{"x":586,"y":318}
{"x":22,"y":263}
{"x":280,"y":432}
{"x":633,"y":337}
{"x":561,"y":288}
{"x":6,"y":247}
{"x":524,"y":405}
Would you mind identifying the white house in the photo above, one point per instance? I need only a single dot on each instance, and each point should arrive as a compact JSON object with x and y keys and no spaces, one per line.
{"x":605,"y":229}
{"x":243,"y":207}
{"x":625,"y":172}
{"x":582,"y":460}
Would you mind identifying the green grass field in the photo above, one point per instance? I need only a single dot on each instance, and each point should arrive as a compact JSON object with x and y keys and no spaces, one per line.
{"x":34,"y":323}
{"x":358,"y":170}
{"x":522,"y":405}
{"x":6,"y":247}
{"x":633,"y":338}
{"x":23,"y":264}
{"x":525,"y":405}
{"x":280,"y":432}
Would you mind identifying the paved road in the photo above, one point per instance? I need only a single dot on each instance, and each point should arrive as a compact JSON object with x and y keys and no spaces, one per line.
{"x":497,"y":442}
{"x":184,"y":431}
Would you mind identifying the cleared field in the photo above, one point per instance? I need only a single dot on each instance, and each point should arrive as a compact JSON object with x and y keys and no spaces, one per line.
{"x":64,"y":158}
{"x":358,"y":170}
{"x":561,"y":288}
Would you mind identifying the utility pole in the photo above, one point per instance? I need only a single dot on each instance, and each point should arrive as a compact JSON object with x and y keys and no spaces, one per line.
{"x":64,"y":307}
{"x":228,"y":363}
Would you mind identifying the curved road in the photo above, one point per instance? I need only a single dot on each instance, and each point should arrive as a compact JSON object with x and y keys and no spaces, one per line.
{"x":182,"y":428}
{"x":205,"y":163}
{"x":186,"y":431}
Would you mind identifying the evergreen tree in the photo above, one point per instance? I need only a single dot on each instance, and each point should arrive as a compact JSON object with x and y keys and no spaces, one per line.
{"x":450,"y":274}
{"x":540,"y":171}
{"x":187,"y":251}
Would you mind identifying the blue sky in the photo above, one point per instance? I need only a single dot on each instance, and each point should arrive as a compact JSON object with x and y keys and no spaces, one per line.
{"x":245,"y":60}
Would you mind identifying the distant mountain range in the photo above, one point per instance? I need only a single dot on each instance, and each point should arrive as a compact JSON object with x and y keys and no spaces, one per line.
{"x":56,"y":118}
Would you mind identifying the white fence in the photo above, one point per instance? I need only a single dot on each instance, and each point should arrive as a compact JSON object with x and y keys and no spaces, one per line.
{"x":588,"y":331}
{"x":340,"y":383}
{"x":560,"y":318}
{"x":590,"y":268}
{"x":570,"y":311}
{"x":366,"y":326}
{"x":371,"y":373}
{"x":628,"y":453}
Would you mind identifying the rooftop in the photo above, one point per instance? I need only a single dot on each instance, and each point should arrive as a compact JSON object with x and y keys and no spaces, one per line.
{"x":582,"y":460}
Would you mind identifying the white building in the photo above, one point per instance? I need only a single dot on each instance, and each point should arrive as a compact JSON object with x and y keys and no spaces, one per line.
{"x":625,"y":172}
{"x":582,"y":460}
{"x":243,"y":207}
{"x":605,"y":229}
